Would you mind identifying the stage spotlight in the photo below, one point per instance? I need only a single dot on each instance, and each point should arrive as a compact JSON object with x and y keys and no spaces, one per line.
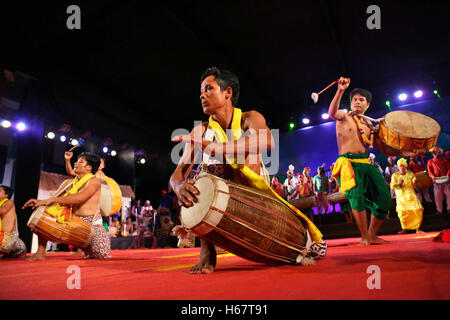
{"x":62,"y":138}
{"x":436,"y":93}
{"x":142,"y":161}
{"x":113,"y":153}
{"x":305,"y":121}
{"x":21,"y":126}
{"x":74,"y":142}
{"x":418,"y":93}
{"x":402,"y":96}
{"x":291,"y":125}
{"x":50,"y":135}
{"x":6,"y":124}
{"x":105,"y":149}
{"x":325,"y":116}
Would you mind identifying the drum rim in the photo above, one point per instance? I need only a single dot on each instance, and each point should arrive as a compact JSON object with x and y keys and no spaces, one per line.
{"x":39,"y":211}
{"x":210,"y":212}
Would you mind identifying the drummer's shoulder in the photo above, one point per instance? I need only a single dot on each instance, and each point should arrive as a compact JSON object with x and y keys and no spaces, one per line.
{"x":253,"y":117}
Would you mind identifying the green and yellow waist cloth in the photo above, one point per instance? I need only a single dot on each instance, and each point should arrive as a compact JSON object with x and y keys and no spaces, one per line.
{"x":362,"y":184}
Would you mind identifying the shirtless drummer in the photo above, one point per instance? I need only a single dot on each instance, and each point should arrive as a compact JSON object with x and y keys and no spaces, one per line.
{"x":85,"y":205}
{"x":361,"y":182}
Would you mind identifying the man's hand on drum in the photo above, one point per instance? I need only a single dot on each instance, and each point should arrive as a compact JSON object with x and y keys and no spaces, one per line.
{"x":187,"y":194}
{"x":36,"y":203}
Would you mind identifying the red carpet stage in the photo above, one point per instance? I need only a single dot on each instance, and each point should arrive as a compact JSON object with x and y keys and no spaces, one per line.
{"x":411,"y":267}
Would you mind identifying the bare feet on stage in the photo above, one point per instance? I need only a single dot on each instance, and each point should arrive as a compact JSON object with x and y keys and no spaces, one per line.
{"x":208,"y":259}
{"x":420,"y":231}
{"x":36,"y":257}
{"x":402,"y":232}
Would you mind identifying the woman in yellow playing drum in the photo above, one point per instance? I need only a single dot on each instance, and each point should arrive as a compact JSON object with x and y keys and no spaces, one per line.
{"x":409,"y":208}
{"x":219,"y":95}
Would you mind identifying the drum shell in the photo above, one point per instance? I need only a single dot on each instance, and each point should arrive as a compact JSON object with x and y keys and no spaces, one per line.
{"x":77,"y":232}
{"x":309,"y":202}
{"x":399,"y":139}
{"x":424,"y":179}
{"x":8,"y":242}
{"x":255,"y":226}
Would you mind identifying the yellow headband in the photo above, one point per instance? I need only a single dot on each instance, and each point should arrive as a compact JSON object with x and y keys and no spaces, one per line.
{"x":402,"y":161}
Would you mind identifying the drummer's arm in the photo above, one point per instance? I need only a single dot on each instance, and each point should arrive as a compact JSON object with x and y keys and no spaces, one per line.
{"x":8,"y":205}
{"x":258,"y":140}
{"x":91,"y":188}
{"x":333,"y":110}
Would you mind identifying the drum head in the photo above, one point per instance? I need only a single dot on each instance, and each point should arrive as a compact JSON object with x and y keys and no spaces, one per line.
{"x":35,"y":216}
{"x":412,"y":124}
{"x":192,"y":216}
{"x":106,"y":200}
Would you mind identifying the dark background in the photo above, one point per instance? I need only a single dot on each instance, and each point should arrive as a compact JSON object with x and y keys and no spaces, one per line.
{"x":130,"y":76}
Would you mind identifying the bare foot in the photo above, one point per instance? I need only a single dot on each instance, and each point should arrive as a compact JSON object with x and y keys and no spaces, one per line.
{"x":402,"y":232}
{"x":379,"y":240}
{"x":364,"y":242}
{"x":36,"y":257}
{"x":208,"y":259}
{"x":420,"y":231}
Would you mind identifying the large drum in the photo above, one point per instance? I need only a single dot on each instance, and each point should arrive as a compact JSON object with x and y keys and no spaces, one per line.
{"x":309,"y":202}
{"x":404,"y":133}
{"x":77,"y":232}
{"x":110,"y":197}
{"x":245,"y":221}
{"x":424,"y":179}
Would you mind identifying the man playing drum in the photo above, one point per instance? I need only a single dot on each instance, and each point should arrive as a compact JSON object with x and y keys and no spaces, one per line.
{"x":10,"y":244}
{"x":439,"y":171}
{"x":361,"y":182}
{"x":219,"y":95}
{"x":84,"y":204}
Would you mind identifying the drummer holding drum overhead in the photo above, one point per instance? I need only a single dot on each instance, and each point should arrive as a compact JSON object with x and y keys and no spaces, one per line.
{"x":361,"y":182}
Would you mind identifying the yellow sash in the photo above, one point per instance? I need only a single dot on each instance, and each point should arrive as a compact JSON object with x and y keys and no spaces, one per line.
{"x":343,"y":168}
{"x":62,"y":211}
{"x":255,"y":180}
{"x":1,"y":203}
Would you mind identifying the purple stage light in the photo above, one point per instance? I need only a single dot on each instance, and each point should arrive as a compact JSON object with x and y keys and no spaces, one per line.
{"x":305,"y":121}
{"x":325,"y":116}
{"x":21,"y":126}
{"x":418,"y":93}
{"x":402,"y":96}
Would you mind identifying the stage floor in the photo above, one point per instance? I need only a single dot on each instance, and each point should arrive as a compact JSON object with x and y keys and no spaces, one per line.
{"x":412,"y":266}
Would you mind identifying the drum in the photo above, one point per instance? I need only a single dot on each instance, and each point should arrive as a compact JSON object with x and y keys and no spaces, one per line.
{"x":245,"y":221}
{"x":424,"y":179}
{"x":110,"y":197}
{"x":403,"y":133}
{"x":309,"y":202}
{"x":77,"y":232}
{"x":336,"y":197}
{"x":441,"y":180}
{"x":8,"y":241}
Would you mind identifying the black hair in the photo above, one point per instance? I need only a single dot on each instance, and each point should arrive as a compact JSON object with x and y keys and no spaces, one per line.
{"x":224,"y":79}
{"x":364,"y":92}
{"x":8,"y":190}
{"x":92,"y":159}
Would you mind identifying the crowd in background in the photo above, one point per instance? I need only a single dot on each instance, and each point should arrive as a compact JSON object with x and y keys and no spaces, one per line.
{"x":321,"y":185}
